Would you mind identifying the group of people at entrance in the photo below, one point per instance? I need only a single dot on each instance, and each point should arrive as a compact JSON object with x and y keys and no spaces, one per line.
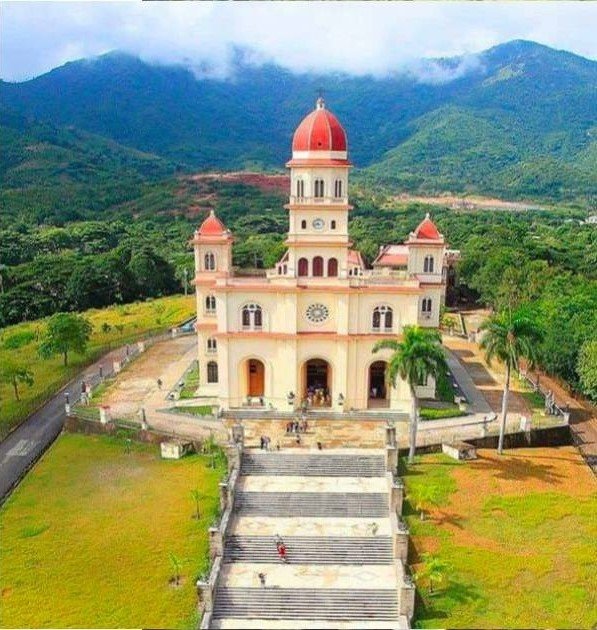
{"x":318,"y":397}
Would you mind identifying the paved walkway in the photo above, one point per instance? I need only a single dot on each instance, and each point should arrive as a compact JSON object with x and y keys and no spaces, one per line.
{"x":583,"y":416}
{"x":477,"y":402}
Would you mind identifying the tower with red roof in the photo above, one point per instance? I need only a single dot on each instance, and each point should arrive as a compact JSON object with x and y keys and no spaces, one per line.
{"x":300,"y":335}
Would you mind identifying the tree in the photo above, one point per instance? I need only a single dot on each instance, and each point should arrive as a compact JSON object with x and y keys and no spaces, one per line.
{"x":510,"y":336}
{"x":434,"y":570}
{"x":424,"y":496}
{"x":415,"y":358}
{"x":176,"y":564}
{"x":66,"y":332}
{"x":587,"y":368}
{"x":197,"y":498}
{"x":14,"y":373}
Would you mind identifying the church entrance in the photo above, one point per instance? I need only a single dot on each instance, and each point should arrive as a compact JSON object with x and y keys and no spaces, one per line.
{"x":378,"y":386}
{"x":255,"y":378}
{"x":317,"y":379}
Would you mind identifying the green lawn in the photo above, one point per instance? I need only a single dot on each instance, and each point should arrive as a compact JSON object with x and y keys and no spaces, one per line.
{"x":86,"y":538}
{"x":112,"y":327}
{"x":519,"y":535}
{"x":191,"y":381}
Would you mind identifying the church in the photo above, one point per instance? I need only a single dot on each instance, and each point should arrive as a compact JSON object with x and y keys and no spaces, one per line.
{"x":301,"y":336}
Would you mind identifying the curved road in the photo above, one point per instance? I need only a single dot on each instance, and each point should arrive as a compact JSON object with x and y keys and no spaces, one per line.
{"x":25,"y":445}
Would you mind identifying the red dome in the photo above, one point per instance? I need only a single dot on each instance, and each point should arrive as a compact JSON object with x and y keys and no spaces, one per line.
{"x":427,"y":230}
{"x":319,"y":131}
{"x":212,"y":226}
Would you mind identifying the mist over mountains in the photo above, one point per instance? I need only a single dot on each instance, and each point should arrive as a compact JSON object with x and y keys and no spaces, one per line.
{"x":518,"y":120}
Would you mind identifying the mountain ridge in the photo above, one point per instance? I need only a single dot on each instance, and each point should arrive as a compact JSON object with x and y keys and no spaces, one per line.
{"x":535,"y":104}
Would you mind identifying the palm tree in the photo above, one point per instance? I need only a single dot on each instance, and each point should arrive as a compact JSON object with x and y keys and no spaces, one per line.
{"x":434,"y":570}
{"x":510,"y":336}
{"x":415,"y":358}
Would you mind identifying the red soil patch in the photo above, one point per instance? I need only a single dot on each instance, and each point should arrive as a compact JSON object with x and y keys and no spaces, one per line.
{"x":517,"y":473}
{"x":263,"y":181}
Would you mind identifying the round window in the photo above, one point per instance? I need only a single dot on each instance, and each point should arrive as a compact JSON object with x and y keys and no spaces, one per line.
{"x":317,"y":313}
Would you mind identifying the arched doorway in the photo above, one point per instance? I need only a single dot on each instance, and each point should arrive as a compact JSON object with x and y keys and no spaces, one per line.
{"x":255,"y":378}
{"x":317,"y":380}
{"x":379,"y":391}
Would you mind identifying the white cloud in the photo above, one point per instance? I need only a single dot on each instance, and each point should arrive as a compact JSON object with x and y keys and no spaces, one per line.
{"x":354,"y":37}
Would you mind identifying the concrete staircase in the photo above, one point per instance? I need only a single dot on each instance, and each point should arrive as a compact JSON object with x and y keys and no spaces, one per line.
{"x":311,"y":550}
{"x":306,"y":603}
{"x":329,"y":504}
{"x":342,"y":568}
{"x":313,"y":465}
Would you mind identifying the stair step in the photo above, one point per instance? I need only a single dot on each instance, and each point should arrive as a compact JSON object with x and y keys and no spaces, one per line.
{"x":311,"y":550}
{"x":313,"y":465}
{"x":282,"y":603}
{"x":330,"y":504}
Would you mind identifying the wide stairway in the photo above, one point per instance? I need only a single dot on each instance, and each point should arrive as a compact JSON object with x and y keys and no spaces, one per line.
{"x":331,"y":510}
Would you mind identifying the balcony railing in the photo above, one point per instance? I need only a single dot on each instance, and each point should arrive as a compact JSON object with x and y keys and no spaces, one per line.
{"x":318,"y":200}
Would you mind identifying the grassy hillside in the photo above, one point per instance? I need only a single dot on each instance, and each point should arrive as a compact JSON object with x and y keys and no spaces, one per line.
{"x":112,"y":327}
{"x":463,"y":151}
{"x":50,"y":174}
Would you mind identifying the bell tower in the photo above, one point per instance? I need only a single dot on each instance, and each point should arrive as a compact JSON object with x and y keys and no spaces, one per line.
{"x":318,"y":205}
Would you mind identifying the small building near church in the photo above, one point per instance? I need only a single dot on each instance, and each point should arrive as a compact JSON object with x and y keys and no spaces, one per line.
{"x":302,"y":335}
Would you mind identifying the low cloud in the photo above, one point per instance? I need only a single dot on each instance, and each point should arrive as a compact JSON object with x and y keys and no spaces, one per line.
{"x":360,"y":38}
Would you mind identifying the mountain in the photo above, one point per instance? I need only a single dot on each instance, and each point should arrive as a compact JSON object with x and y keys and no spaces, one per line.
{"x":516,"y":120}
{"x":58,"y":174}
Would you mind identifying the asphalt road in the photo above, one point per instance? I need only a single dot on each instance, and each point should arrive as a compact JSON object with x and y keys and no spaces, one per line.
{"x":25,"y":445}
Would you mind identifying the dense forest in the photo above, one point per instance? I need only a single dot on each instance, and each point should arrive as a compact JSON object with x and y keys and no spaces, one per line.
{"x":518,"y":123}
{"x":139,"y":249}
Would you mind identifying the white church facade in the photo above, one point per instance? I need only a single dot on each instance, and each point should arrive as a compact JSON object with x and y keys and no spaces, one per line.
{"x":302,"y":335}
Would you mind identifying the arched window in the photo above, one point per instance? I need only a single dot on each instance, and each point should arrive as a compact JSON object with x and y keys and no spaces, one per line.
{"x":332,"y":267}
{"x":212,"y":345}
{"x":382,"y":319}
{"x":319,"y":188}
{"x":338,"y":188}
{"x":210,"y":304}
{"x":252,"y":317}
{"x":285,"y":269}
{"x":428,"y":264}
{"x":318,"y":266}
{"x":426,"y":306}
{"x":333,"y":224}
{"x":300,"y":188}
{"x":303,"y":267}
{"x":303,"y":225}
{"x":212,"y":372}
{"x":209,"y":261}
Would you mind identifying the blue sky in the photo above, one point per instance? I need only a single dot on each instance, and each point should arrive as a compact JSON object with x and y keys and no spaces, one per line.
{"x":354,"y":37}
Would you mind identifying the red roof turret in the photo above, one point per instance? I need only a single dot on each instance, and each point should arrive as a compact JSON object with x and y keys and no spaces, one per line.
{"x":426,"y":231}
{"x":212,"y":226}
{"x":212,"y":230}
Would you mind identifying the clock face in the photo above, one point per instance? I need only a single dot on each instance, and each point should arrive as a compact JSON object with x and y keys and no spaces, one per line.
{"x":317,"y":313}
{"x":318,"y":224}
